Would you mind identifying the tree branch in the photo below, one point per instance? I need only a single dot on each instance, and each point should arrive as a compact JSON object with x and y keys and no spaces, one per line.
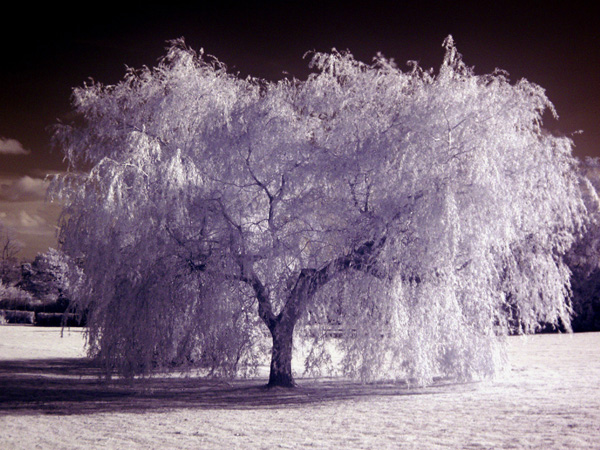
{"x":265,"y":309}
{"x":310,"y":281}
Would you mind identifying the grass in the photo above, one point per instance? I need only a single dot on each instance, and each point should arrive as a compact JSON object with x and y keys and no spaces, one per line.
{"x":550,"y":398}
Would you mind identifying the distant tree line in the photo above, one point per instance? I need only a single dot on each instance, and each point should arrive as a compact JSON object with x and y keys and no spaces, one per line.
{"x":34,"y":292}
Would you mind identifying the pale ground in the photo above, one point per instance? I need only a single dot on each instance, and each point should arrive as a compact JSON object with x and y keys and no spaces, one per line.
{"x":550,"y":399}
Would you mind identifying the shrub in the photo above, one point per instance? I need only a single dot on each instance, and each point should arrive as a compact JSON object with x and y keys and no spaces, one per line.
{"x":12,"y":297}
{"x":23,"y":317}
{"x":53,"y":319}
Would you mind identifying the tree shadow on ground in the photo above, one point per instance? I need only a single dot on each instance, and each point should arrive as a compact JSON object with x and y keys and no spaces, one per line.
{"x":75,"y":386}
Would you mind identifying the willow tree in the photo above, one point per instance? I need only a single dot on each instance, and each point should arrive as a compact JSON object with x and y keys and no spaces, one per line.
{"x":413,"y":212}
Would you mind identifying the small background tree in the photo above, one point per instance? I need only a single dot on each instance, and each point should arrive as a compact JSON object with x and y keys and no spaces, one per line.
{"x":414,"y":211}
{"x":584,"y":257}
{"x":9,"y":251}
{"x":12,"y":297}
{"x":47,"y":279}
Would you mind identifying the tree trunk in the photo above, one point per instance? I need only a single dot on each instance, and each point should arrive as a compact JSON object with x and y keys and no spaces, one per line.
{"x":308,"y":282}
{"x":281,"y":358}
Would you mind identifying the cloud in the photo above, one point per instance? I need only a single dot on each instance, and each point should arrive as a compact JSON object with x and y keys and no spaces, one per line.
{"x":33,"y":223}
{"x":12,"y":147}
{"x":25,"y":211}
{"x":23,"y":189}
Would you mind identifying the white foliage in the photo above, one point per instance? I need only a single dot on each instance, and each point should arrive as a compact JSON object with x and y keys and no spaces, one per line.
{"x":426,"y":207}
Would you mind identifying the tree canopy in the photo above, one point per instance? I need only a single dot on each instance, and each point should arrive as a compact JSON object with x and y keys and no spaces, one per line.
{"x":420,"y":215}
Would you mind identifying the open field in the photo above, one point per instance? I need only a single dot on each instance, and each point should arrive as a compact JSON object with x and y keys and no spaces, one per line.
{"x":550,"y":399}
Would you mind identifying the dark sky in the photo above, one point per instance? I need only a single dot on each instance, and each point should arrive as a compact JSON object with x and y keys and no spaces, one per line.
{"x":48,"y":50}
